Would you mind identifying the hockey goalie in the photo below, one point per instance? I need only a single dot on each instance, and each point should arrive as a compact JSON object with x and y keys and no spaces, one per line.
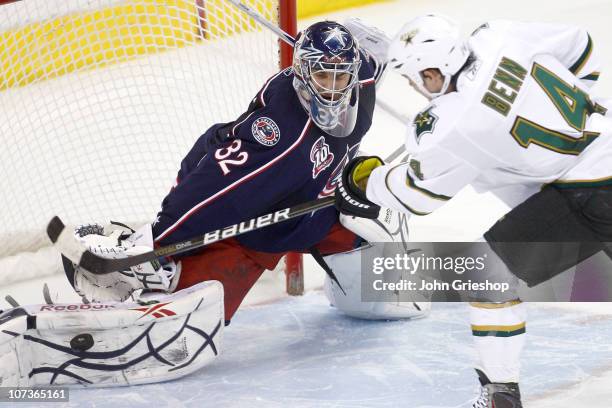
{"x":164,"y":319}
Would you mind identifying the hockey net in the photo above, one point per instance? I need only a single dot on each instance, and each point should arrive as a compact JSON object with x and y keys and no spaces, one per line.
{"x":101,"y":99}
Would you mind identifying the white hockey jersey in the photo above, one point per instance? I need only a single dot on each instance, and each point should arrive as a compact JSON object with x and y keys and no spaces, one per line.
{"x":522,"y":116}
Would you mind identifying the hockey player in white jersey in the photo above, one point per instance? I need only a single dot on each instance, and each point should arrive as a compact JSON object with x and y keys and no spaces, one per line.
{"x":511,"y":113}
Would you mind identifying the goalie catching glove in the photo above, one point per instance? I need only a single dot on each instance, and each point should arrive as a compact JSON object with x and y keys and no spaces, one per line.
{"x":114,"y":242}
{"x":350,"y":194}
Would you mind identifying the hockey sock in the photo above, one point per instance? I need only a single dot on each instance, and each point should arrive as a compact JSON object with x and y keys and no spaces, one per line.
{"x":499,"y":334}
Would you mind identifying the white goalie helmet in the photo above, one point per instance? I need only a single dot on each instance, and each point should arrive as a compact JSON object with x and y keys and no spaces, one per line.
{"x":426,"y":42}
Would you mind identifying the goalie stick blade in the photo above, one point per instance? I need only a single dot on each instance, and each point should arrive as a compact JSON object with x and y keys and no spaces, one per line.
{"x":63,"y":241}
{"x":70,"y":249}
{"x":55,"y":228}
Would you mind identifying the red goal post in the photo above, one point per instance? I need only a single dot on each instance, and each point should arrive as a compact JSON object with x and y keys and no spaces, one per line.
{"x":294,"y":263}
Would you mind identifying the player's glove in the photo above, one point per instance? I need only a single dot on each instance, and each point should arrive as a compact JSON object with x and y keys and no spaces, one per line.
{"x":113,"y":242}
{"x":350,"y":194}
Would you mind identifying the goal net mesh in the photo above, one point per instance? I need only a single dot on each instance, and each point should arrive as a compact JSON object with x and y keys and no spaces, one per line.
{"x":101,"y":99}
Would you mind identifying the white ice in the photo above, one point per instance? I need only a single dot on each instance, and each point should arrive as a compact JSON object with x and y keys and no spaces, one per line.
{"x":299,"y":352}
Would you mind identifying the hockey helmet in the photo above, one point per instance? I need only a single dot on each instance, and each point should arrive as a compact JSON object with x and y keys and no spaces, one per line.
{"x":326,"y":64}
{"x":429,"y":41}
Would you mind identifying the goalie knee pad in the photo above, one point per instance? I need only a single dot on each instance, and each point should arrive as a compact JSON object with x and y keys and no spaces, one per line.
{"x":348,"y":296}
{"x":383,"y":235}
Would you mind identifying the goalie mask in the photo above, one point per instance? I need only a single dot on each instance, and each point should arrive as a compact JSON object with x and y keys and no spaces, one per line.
{"x":326,"y":64}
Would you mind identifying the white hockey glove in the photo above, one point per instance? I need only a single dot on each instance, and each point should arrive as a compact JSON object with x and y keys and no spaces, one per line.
{"x":116,"y":242}
{"x":372,"y":41}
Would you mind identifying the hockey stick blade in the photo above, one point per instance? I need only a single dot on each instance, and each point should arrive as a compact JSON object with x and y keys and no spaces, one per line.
{"x":65,"y":243}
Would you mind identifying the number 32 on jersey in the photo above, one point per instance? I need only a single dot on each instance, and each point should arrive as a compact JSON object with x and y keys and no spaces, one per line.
{"x":231,"y":156}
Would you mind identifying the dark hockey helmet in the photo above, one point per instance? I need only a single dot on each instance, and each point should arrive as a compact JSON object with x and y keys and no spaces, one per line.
{"x":326,"y":64}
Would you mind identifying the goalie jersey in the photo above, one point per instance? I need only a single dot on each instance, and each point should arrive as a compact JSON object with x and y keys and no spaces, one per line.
{"x":270,"y":158}
{"x":522,"y":116}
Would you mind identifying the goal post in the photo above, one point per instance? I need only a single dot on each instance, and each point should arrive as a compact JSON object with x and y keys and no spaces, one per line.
{"x":101,"y":99}
{"x":294,"y":262}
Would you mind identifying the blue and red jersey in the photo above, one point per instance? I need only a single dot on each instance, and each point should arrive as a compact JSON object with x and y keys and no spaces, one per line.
{"x":269,"y":158}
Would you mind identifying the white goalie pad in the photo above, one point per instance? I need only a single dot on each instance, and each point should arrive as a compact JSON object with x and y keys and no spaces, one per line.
{"x":112,"y":344}
{"x":383,"y":233}
{"x":347,"y":268}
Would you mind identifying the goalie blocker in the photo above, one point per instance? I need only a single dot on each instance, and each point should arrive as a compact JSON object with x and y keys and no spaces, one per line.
{"x":112,"y":344}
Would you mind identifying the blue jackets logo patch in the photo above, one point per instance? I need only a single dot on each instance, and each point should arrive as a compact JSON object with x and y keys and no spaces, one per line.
{"x":321,"y":156}
{"x":265,"y":131}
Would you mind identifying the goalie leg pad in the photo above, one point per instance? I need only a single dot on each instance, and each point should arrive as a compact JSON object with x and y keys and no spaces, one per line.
{"x":112,"y":344}
{"x":347,"y":269}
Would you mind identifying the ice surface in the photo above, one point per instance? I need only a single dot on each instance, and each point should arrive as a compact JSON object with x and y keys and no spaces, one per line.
{"x":300,"y":352}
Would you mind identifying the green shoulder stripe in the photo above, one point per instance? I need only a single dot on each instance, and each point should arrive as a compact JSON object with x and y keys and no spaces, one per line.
{"x":412,"y":210}
{"x":583,"y":58}
{"x":593,"y":76}
{"x":607,"y":181}
{"x":410,"y":183}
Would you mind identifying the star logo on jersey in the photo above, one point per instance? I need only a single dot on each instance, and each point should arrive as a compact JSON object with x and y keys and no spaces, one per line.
{"x":265,"y":131}
{"x":321,"y":156}
{"x":425,"y":122}
{"x":408,"y":37}
{"x":337,"y":35}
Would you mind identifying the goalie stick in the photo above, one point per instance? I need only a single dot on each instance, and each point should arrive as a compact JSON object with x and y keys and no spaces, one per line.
{"x":63,"y":239}
{"x":65,"y":243}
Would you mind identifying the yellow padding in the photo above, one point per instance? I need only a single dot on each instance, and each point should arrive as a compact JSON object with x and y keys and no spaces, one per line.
{"x":308,"y":8}
{"x":362,"y":171}
{"x":221,"y":18}
{"x":84,"y":40}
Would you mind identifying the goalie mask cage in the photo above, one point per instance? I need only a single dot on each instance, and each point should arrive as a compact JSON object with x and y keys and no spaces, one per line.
{"x":101,"y":99}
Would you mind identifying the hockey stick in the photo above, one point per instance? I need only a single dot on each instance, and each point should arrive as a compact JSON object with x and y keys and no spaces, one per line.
{"x":69,"y":247}
{"x":291,"y":41}
{"x":262,"y":20}
{"x":63,"y":239}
